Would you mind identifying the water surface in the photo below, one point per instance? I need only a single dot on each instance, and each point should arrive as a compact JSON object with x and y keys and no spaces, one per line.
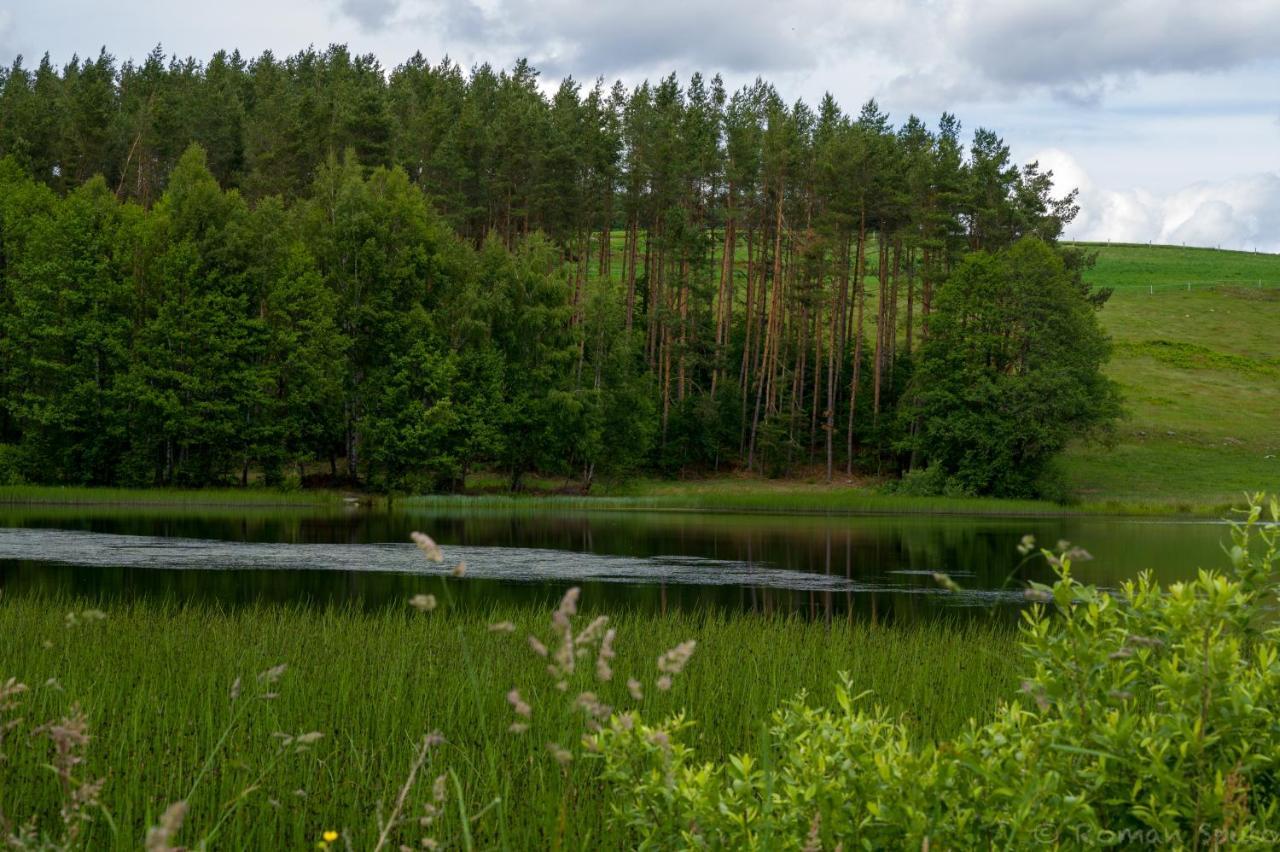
{"x":880,"y":567}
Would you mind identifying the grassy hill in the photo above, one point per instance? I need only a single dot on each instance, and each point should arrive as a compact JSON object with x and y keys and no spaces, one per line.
{"x":1200,"y":369}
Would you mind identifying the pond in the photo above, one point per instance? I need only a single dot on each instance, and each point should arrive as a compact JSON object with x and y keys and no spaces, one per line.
{"x":877,"y":567}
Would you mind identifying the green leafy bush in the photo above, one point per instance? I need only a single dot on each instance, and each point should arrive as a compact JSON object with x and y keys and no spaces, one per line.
{"x":1148,"y":718}
{"x":10,"y":465}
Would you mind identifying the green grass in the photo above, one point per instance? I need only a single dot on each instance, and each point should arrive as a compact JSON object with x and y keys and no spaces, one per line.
{"x":154,"y":680}
{"x":743,"y":494}
{"x":1135,"y":266}
{"x":1200,"y":372}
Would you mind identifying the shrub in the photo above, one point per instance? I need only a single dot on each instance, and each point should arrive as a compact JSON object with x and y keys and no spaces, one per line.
{"x":1148,"y":717}
{"x":10,"y":465}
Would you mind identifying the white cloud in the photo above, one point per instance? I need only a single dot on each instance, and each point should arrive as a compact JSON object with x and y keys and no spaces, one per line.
{"x":1237,"y":213}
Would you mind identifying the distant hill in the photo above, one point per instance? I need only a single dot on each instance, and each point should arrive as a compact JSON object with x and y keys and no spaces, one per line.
{"x":1124,"y":265}
{"x":1200,"y":370}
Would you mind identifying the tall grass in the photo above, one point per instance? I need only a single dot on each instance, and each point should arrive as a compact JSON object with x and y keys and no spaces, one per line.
{"x":737,"y":496}
{"x":154,"y":679}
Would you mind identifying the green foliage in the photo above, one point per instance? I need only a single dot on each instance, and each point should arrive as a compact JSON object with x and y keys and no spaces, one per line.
{"x":1011,"y":372}
{"x":238,"y":269}
{"x":1148,"y":718}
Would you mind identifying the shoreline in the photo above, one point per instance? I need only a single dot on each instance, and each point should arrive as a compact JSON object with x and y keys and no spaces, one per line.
{"x":727,"y":497}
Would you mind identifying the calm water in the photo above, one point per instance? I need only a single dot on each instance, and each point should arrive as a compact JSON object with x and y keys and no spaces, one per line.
{"x":819,"y":566}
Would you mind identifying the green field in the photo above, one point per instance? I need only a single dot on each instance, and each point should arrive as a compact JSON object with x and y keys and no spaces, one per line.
{"x":1200,"y":371}
{"x":154,"y":680}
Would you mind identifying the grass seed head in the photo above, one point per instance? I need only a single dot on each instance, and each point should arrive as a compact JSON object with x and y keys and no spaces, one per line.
{"x":518,"y":704}
{"x":673,"y":661}
{"x":423,"y":603}
{"x":159,"y":836}
{"x":428,"y":546}
{"x":563,"y":756}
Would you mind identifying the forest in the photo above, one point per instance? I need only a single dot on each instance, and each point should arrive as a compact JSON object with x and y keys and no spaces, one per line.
{"x":314,"y":269}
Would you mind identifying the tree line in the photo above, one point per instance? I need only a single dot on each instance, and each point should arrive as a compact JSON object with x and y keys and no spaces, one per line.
{"x":211,"y":270}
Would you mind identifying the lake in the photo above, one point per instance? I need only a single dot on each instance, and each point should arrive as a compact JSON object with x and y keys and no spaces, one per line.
{"x":877,"y":567}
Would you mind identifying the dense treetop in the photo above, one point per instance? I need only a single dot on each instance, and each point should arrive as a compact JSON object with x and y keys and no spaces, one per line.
{"x":212,"y":269}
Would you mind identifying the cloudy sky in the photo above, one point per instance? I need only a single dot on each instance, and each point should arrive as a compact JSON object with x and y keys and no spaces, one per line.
{"x":1165,"y":113}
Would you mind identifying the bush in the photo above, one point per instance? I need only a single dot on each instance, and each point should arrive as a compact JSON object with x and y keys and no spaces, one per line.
{"x":10,"y":465}
{"x":1149,"y":718}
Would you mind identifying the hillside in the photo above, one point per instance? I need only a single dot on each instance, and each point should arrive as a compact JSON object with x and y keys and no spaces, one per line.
{"x":1200,"y":369}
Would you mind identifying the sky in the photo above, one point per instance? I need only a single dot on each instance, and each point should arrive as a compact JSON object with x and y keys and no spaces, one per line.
{"x":1165,"y":114}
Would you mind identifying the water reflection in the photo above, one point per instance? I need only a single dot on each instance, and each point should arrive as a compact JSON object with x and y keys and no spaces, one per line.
{"x":821,"y":567}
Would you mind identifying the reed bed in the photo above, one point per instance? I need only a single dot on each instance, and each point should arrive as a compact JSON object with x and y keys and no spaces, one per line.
{"x":187,"y":703}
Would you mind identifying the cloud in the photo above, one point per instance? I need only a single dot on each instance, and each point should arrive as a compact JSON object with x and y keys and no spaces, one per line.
{"x":1078,"y":51}
{"x":1083,"y":42}
{"x":1238,"y":213}
{"x":371,"y":15}
{"x":924,"y":51}
{"x":6,"y":33}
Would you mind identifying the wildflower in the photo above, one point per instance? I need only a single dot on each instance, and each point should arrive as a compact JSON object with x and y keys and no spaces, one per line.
{"x":434,"y":739}
{"x":330,"y":836}
{"x":633,"y":686}
{"x":428,"y":546}
{"x":518,"y":728}
{"x":235,"y":689}
{"x":423,"y":603}
{"x":502,"y":627}
{"x":664,"y":683}
{"x":458,"y":570}
{"x":1027,"y":544}
{"x":538,"y":647}
{"x":661,"y":739}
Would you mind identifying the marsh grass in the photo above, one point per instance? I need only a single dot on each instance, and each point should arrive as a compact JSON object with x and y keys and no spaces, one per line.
{"x":154,"y":680}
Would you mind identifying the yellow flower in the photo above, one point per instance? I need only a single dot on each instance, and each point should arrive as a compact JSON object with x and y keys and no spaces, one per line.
{"x":330,"y":836}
